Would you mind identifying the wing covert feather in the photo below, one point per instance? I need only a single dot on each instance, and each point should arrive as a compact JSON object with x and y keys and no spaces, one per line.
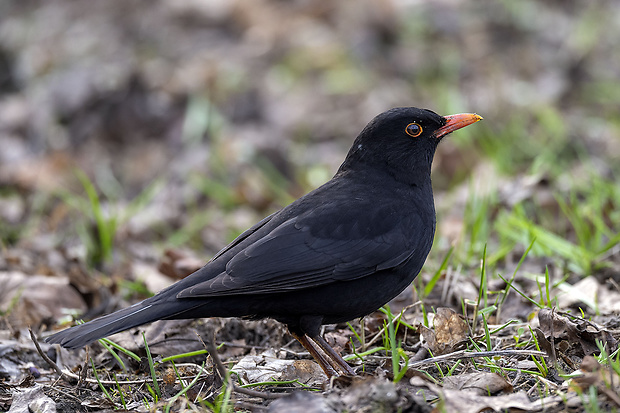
{"x":291,"y":256}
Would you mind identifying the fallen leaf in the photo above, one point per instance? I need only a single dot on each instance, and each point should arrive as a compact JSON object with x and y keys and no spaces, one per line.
{"x":31,"y":299}
{"x":32,"y":400}
{"x":607,"y":382}
{"x":451,"y":332}
{"x":591,"y":292}
{"x":178,"y":264}
{"x":268,"y":367}
{"x":337,"y":340}
{"x":584,"y":332}
{"x":152,"y":278}
{"x":302,"y":402}
{"x":481,"y":383}
{"x":544,"y":344}
{"x":469,"y":402}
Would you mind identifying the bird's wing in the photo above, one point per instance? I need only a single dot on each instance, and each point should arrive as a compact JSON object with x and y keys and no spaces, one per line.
{"x":296,"y":254}
{"x":243,"y":236}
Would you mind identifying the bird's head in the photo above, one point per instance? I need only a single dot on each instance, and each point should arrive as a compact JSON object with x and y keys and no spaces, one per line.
{"x":402,"y":141}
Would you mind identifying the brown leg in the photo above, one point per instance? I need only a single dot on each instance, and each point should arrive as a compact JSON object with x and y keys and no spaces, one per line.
{"x":320,"y":358}
{"x":331,"y":353}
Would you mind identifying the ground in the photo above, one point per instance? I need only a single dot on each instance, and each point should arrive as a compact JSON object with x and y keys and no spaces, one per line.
{"x":140,"y":138}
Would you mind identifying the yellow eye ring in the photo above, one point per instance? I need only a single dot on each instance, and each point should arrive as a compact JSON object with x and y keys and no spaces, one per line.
{"x":413,"y":129}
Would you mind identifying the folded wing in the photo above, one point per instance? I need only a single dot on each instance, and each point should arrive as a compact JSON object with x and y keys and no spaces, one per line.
{"x":295,"y":255}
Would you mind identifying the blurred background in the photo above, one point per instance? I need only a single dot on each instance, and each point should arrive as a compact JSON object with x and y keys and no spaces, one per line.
{"x":138,"y":138}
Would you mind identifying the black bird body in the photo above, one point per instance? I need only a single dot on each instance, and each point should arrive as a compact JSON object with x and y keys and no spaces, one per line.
{"x":335,"y":254}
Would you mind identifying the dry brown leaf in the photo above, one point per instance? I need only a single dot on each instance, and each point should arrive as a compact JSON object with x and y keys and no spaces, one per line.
{"x":302,"y":402}
{"x":362,"y":394}
{"x":606,"y":382}
{"x":32,"y":400}
{"x":152,"y":278}
{"x":451,"y":331}
{"x":337,"y":340}
{"x":178,"y":264}
{"x":267,"y":367}
{"x":591,"y":292}
{"x":586,"y":333}
{"x":481,"y":383}
{"x":31,"y":299}
{"x":469,"y":402}
{"x":544,"y":344}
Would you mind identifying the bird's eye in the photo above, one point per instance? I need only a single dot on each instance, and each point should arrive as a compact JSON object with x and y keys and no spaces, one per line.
{"x":414,"y":130}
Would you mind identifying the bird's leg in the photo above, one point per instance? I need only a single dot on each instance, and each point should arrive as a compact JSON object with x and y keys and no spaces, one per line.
{"x":333,"y":355}
{"x":320,"y":358}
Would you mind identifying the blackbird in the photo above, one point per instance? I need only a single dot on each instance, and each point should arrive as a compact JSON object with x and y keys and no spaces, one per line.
{"x":338,"y":253}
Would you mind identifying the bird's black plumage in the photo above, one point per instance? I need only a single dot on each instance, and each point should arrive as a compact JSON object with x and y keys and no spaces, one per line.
{"x":337,"y":253}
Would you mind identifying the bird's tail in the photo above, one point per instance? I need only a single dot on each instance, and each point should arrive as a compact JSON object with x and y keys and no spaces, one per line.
{"x":136,"y":315}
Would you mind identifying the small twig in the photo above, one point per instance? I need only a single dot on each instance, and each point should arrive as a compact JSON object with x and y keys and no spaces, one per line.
{"x":610,"y":394}
{"x":547,"y":383}
{"x":554,"y":358}
{"x":298,"y":354}
{"x":515,"y":381}
{"x":576,"y":317}
{"x":84,"y":368}
{"x":251,"y":407}
{"x":74,"y":377}
{"x":217,"y":362}
{"x":246,"y":346}
{"x":221,"y":369}
{"x":48,"y":360}
{"x":614,"y":283}
{"x":71,"y":377}
{"x":464,"y":354}
{"x":256,"y":393}
{"x":65,"y":394}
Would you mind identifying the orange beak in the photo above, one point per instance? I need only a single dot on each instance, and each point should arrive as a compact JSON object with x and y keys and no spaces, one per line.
{"x":455,"y":122}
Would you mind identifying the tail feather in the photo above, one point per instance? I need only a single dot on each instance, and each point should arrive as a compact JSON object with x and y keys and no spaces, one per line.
{"x":136,"y":315}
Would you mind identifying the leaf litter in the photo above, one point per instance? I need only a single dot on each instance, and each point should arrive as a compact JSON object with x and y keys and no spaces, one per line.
{"x":137,"y":125}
